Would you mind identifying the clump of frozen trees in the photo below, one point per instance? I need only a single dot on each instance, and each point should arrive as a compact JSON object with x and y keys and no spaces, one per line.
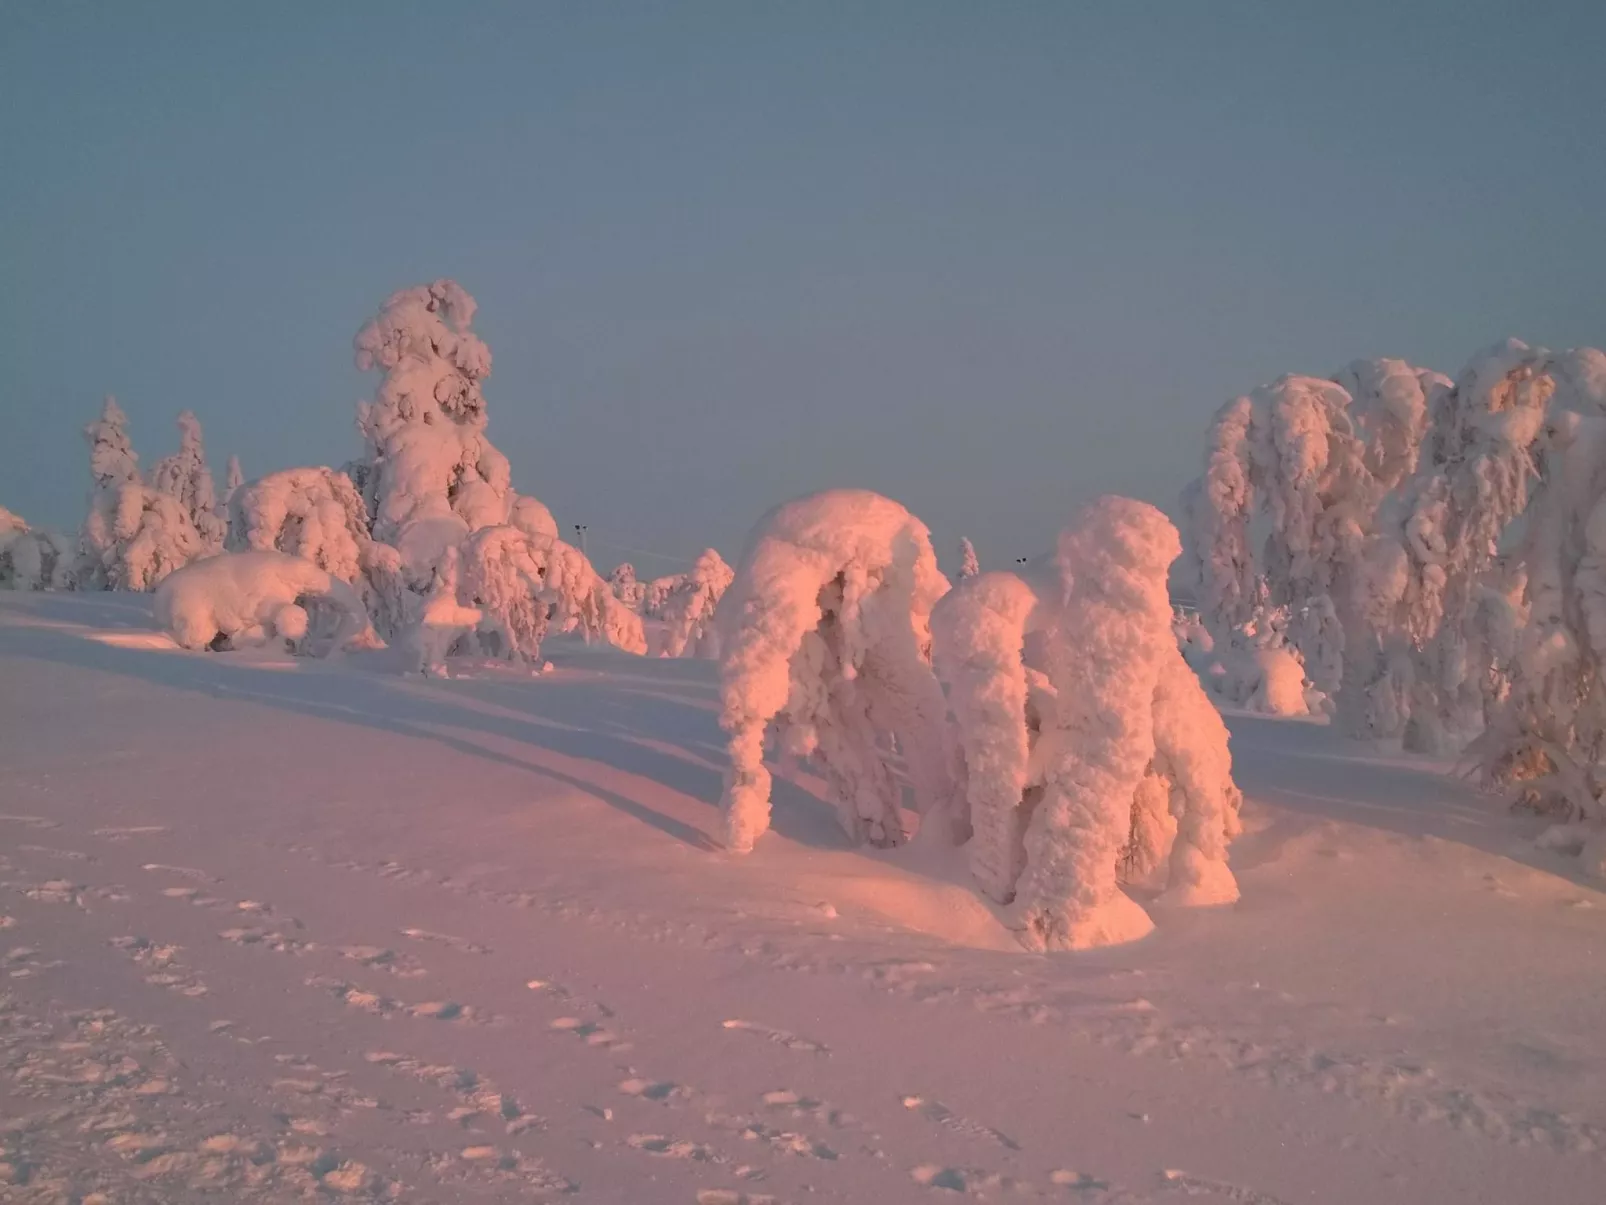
{"x":427,"y":511}
{"x":31,"y":559}
{"x":136,"y":533}
{"x":1424,"y":546}
{"x":1092,"y":754}
{"x":1082,"y":753}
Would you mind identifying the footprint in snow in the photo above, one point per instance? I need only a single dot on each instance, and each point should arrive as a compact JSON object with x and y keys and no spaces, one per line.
{"x":446,"y":939}
{"x":672,"y":1148}
{"x":939,"y":1114}
{"x":1199,"y":1185}
{"x":779,"y":1036}
{"x":974,"y":1180}
{"x":590,"y":1032}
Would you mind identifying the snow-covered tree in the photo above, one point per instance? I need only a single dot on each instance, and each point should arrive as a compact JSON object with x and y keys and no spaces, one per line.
{"x":825,"y":635}
{"x":317,"y":514}
{"x":503,"y":578}
{"x":626,"y":588}
{"x":688,"y":611}
{"x":583,"y":602}
{"x":134,"y":536}
{"x":969,"y":566}
{"x":431,"y":476}
{"x":1431,"y":597}
{"x":31,"y":559}
{"x":657,"y":592}
{"x":443,"y":621}
{"x":1546,"y":736}
{"x":1295,"y":474}
{"x":185,"y":476}
{"x":234,"y":479}
{"x":246,"y":599}
{"x":1091,"y":751}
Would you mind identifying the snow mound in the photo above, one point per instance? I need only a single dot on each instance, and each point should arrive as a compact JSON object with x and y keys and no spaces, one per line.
{"x":240,"y":599}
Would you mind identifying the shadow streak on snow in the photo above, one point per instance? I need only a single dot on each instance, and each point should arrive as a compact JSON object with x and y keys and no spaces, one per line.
{"x":574,"y":718}
{"x":1290,"y":765}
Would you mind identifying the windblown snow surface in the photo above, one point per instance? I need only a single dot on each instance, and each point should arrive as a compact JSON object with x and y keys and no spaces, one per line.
{"x":281,"y":930}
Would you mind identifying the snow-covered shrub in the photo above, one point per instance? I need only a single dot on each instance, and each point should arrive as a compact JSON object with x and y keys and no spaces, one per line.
{"x":1091,"y":752}
{"x":825,"y":634}
{"x":240,"y":599}
{"x":688,"y":611}
{"x":134,"y":536}
{"x":626,"y":588}
{"x":31,"y":559}
{"x":969,"y":566}
{"x":185,"y":476}
{"x":432,"y":475}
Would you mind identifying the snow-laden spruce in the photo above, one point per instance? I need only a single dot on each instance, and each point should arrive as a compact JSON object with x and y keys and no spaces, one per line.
{"x":31,"y":559}
{"x":432,"y":475}
{"x":688,"y":610}
{"x":134,"y":536}
{"x":249,"y":599}
{"x":1091,"y":752}
{"x":825,"y":634}
{"x":185,"y":476}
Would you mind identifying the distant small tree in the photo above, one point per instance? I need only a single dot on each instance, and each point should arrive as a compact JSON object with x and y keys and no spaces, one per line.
{"x":186,"y":477}
{"x":969,"y":566}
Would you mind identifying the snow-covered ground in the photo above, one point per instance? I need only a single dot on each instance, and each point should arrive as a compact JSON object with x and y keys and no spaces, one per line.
{"x":280,"y":929}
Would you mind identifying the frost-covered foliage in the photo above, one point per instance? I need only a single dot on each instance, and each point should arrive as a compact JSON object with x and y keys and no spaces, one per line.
{"x":1440,"y":596}
{"x":134,"y":536}
{"x":969,"y":566}
{"x":825,"y":634}
{"x":532,"y":517}
{"x":244,"y":599}
{"x":1091,"y":752}
{"x":317,"y":514}
{"x":1546,"y":736}
{"x":583,"y":602}
{"x":32,"y":559}
{"x":688,"y":611}
{"x":185,"y":476}
{"x":432,"y":475}
{"x":626,"y":588}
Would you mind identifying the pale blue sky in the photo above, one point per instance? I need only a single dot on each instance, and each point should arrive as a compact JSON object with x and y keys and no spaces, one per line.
{"x":988,"y":258}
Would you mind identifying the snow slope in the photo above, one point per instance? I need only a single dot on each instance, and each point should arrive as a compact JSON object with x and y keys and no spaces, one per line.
{"x":280,"y":930}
